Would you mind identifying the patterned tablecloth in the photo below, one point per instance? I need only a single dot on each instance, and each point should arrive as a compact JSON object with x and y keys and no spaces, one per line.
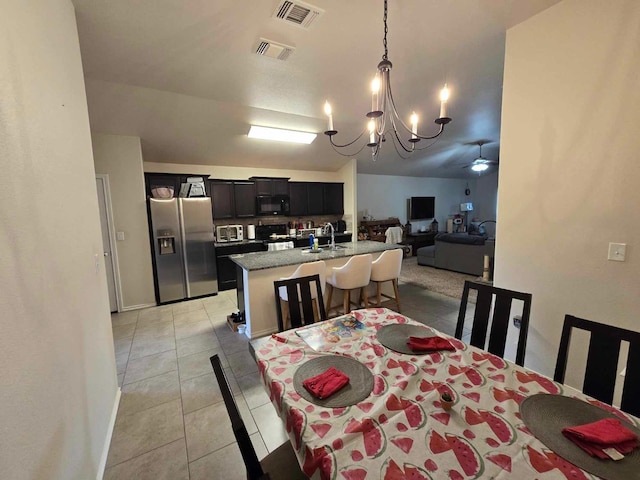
{"x":400,"y":431}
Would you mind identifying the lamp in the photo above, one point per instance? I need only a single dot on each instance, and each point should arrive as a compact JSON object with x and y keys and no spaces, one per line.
{"x":479,"y":167}
{"x":384,"y":118}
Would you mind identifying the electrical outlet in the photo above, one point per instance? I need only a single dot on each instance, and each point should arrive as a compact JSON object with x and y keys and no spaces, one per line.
{"x":517,"y":321}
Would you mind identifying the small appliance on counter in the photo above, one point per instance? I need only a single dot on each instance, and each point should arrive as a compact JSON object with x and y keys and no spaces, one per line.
{"x":251,"y":232}
{"x":305,"y":232}
{"x":229,"y":233}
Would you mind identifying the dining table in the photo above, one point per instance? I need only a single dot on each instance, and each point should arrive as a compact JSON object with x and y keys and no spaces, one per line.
{"x":400,"y":430}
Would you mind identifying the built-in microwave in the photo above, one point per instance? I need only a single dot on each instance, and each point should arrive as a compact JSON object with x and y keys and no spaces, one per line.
{"x":272,"y":205}
{"x":229,"y":233}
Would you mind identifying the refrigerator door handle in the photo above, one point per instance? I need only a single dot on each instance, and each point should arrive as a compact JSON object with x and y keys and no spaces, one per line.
{"x":183,"y":235}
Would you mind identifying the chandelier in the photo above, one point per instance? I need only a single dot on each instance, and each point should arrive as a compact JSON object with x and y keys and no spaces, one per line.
{"x":384,"y":119}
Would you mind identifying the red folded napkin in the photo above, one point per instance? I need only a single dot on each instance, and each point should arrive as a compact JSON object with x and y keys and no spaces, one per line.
{"x":605,"y":433}
{"x":327,"y":383}
{"x":429,"y":344}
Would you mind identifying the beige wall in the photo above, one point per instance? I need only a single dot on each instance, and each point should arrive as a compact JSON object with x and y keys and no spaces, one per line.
{"x":486,"y":193}
{"x":384,"y":196}
{"x":121,"y":158}
{"x":57,"y":368}
{"x":569,"y":170}
{"x":348,"y":176}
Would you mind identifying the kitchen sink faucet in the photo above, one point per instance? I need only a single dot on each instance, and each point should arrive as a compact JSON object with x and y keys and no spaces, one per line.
{"x":327,"y":226}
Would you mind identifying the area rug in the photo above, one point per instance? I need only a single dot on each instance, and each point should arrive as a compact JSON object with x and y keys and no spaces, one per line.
{"x":445,"y":282}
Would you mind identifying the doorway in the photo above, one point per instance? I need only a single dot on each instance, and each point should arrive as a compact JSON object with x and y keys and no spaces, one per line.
{"x":108,"y":242}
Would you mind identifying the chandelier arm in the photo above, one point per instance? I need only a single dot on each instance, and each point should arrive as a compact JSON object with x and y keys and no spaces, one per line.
{"x":347,"y":144}
{"x":395,"y":113}
{"x":395,"y":134}
{"x":350,"y":155}
{"x":396,"y":140}
{"x":428,"y":145}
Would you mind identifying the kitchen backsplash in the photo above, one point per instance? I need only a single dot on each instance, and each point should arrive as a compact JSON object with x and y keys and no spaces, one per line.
{"x":316,"y":221}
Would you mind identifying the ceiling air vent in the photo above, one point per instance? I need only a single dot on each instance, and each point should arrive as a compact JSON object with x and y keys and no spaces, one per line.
{"x":297,"y":13}
{"x":271,"y":49}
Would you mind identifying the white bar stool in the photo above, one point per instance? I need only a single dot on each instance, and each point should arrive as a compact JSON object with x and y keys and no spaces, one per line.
{"x":354,"y":274}
{"x":386,"y":268}
{"x":304,"y":270}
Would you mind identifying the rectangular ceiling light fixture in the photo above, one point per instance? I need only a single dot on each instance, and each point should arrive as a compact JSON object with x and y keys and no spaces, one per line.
{"x":281,"y":135}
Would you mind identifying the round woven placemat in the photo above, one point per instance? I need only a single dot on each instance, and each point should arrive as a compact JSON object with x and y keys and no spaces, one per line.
{"x":395,"y":337}
{"x":546,"y":415}
{"x":359,"y":387}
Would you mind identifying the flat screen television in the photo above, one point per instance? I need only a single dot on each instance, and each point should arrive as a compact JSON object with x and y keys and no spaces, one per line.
{"x":422,"y":208}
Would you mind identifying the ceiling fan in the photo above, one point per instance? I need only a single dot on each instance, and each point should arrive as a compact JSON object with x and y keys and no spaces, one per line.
{"x":481,"y":164}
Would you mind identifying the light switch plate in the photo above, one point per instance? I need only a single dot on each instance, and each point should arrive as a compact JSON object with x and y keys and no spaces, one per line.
{"x":120,"y":236}
{"x":617,"y":251}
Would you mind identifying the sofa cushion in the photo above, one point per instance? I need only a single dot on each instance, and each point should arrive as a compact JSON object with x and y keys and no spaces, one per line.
{"x":463,"y":238}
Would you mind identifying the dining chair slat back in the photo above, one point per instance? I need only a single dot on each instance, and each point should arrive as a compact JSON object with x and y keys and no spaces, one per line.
{"x":501,"y":299}
{"x":300,"y":300}
{"x":603,"y":356}
{"x":252,"y":464}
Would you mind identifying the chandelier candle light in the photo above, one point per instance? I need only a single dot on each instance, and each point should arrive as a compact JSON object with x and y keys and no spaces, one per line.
{"x":384,"y":118}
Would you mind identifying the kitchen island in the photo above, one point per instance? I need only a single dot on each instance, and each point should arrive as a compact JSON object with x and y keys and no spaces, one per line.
{"x":257,"y":271}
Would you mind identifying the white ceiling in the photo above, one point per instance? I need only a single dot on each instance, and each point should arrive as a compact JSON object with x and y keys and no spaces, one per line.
{"x":182,"y":75}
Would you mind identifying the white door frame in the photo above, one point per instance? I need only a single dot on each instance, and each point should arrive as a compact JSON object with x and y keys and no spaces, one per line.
{"x":104,"y":178}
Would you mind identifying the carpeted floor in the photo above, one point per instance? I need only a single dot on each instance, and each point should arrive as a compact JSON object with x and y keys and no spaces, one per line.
{"x":433,"y":279}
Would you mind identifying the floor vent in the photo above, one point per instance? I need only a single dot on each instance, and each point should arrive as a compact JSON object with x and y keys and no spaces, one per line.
{"x":271,"y":49}
{"x":297,"y":13}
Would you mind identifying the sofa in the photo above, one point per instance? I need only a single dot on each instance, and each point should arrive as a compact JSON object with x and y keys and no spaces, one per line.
{"x":459,"y":252}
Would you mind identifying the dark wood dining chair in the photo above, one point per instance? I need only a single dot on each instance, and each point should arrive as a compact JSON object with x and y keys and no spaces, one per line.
{"x":281,"y":464}
{"x":300,"y":301}
{"x":601,"y":370}
{"x":501,"y":299}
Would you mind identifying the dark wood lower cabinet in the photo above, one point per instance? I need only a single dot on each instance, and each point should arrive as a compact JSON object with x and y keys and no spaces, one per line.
{"x":227,"y":279}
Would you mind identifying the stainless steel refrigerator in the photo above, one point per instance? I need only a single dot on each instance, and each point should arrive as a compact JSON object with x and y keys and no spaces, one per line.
{"x":183,"y":249}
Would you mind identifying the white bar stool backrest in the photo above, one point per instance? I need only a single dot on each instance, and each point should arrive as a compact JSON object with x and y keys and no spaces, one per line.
{"x":387,"y":266}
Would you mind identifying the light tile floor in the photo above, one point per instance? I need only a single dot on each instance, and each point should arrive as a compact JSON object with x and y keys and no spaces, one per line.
{"x":172,"y":423}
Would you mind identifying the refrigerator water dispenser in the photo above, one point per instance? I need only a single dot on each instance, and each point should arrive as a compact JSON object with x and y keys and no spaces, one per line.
{"x":166,"y":243}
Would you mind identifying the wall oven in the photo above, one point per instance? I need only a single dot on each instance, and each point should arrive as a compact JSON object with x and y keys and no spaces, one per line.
{"x":272,"y":205}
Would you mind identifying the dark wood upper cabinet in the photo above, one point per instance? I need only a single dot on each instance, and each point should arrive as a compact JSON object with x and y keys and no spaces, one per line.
{"x":315,"y":198}
{"x":333,"y":198}
{"x":298,"y":199}
{"x":222,"y":199}
{"x":271,"y":186}
{"x":280,"y":186}
{"x":245,"y":199}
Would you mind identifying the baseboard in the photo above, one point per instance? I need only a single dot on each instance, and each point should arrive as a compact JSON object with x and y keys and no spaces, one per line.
{"x":107,"y":440}
{"x":138,"y":307}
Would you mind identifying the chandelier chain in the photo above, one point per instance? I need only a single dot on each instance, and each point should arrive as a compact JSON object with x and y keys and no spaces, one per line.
{"x":385,"y":56}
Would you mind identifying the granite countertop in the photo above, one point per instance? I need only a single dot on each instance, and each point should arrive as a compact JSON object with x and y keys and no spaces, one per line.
{"x":296,"y":256}
{"x":322,"y":238}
